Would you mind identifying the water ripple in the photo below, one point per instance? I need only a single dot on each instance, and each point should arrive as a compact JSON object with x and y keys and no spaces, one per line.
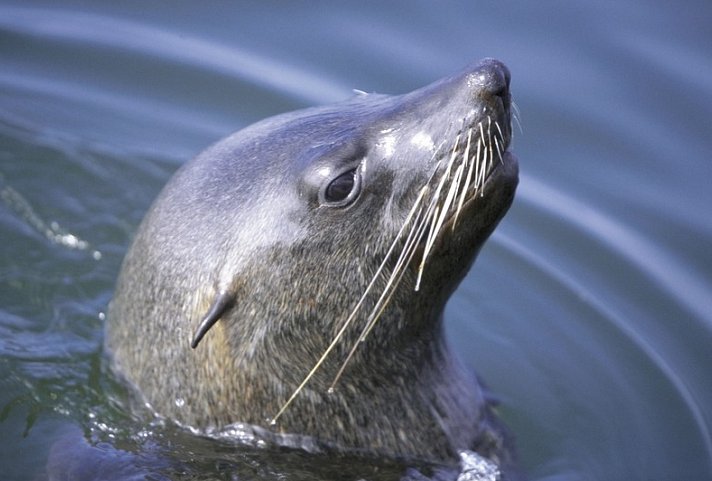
{"x":98,"y":30}
{"x":668,"y":273}
{"x":51,"y":230}
{"x":619,"y":322}
{"x":690,"y":290}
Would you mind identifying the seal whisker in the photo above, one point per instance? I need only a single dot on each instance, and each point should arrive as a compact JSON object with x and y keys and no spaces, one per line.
{"x":394,"y":279}
{"x":428,"y":245}
{"x":415,"y":235}
{"x":432,"y":234}
{"x":428,"y":220}
{"x":457,"y":186}
{"x":490,"y":149}
{"x":482,"y":134}
{"x":352,"y":315}
{"x":425,"y":225}
{"x":468,"y":178}
{"x":491,"y":139}
{"x":500,"y":143}
{"x":445,"y":210}
{"x":409,"y":248}
{"x":476,"y":162}
{"x":403,"y":260}
{"x":515,"y":117}
{"x":501,"y":135}
{"x":489,"y":153}
{"x":411,"y":243}
{"x":516,"y":108}
{"x":431,"y":220}
{"x":499,"y":150}
{"x":482,"y":148}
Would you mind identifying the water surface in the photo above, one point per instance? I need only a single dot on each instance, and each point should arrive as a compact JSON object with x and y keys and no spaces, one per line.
{"x":589,"y":313}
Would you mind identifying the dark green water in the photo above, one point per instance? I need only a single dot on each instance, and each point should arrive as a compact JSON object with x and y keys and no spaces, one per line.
{"x":589,"y":312}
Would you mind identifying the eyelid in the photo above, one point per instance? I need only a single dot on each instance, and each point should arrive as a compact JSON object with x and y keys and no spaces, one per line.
{"x":353,"y":194}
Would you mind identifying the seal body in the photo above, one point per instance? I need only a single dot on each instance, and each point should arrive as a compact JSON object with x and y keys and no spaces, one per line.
{"x":332,"y":238}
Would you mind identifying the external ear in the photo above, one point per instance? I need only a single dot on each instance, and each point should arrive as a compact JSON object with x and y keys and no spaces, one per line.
{"x":222,"y":302}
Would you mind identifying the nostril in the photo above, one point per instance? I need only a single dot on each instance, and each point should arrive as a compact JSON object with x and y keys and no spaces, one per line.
{"x":492,"y":78}
{"x":499,"y":90}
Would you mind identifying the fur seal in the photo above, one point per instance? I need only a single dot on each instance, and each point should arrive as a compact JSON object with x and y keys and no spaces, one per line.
{"x":293,"y":275}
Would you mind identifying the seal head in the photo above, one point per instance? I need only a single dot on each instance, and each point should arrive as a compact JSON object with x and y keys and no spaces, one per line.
{"x":308,"y":259}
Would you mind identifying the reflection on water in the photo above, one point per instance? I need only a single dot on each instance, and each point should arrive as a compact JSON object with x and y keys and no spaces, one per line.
{"x":589,"y":313}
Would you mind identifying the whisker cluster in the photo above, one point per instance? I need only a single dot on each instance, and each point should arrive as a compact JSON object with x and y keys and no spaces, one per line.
{"x":455,"y":178}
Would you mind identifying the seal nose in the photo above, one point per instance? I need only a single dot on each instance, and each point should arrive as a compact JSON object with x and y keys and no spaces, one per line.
{"x":491,"y":79}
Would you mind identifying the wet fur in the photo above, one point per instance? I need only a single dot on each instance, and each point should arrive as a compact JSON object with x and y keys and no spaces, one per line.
{"x":244,"y":218}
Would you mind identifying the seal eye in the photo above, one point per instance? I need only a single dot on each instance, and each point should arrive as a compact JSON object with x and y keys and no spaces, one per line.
{"x":343,"y":189}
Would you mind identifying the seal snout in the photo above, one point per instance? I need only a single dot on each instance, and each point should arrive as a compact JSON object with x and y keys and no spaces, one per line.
{"x":490,"y":79}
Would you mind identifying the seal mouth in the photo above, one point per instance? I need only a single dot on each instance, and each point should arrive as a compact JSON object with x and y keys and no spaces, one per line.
{"x":463,"y":177}
{"x":469,"y":195}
